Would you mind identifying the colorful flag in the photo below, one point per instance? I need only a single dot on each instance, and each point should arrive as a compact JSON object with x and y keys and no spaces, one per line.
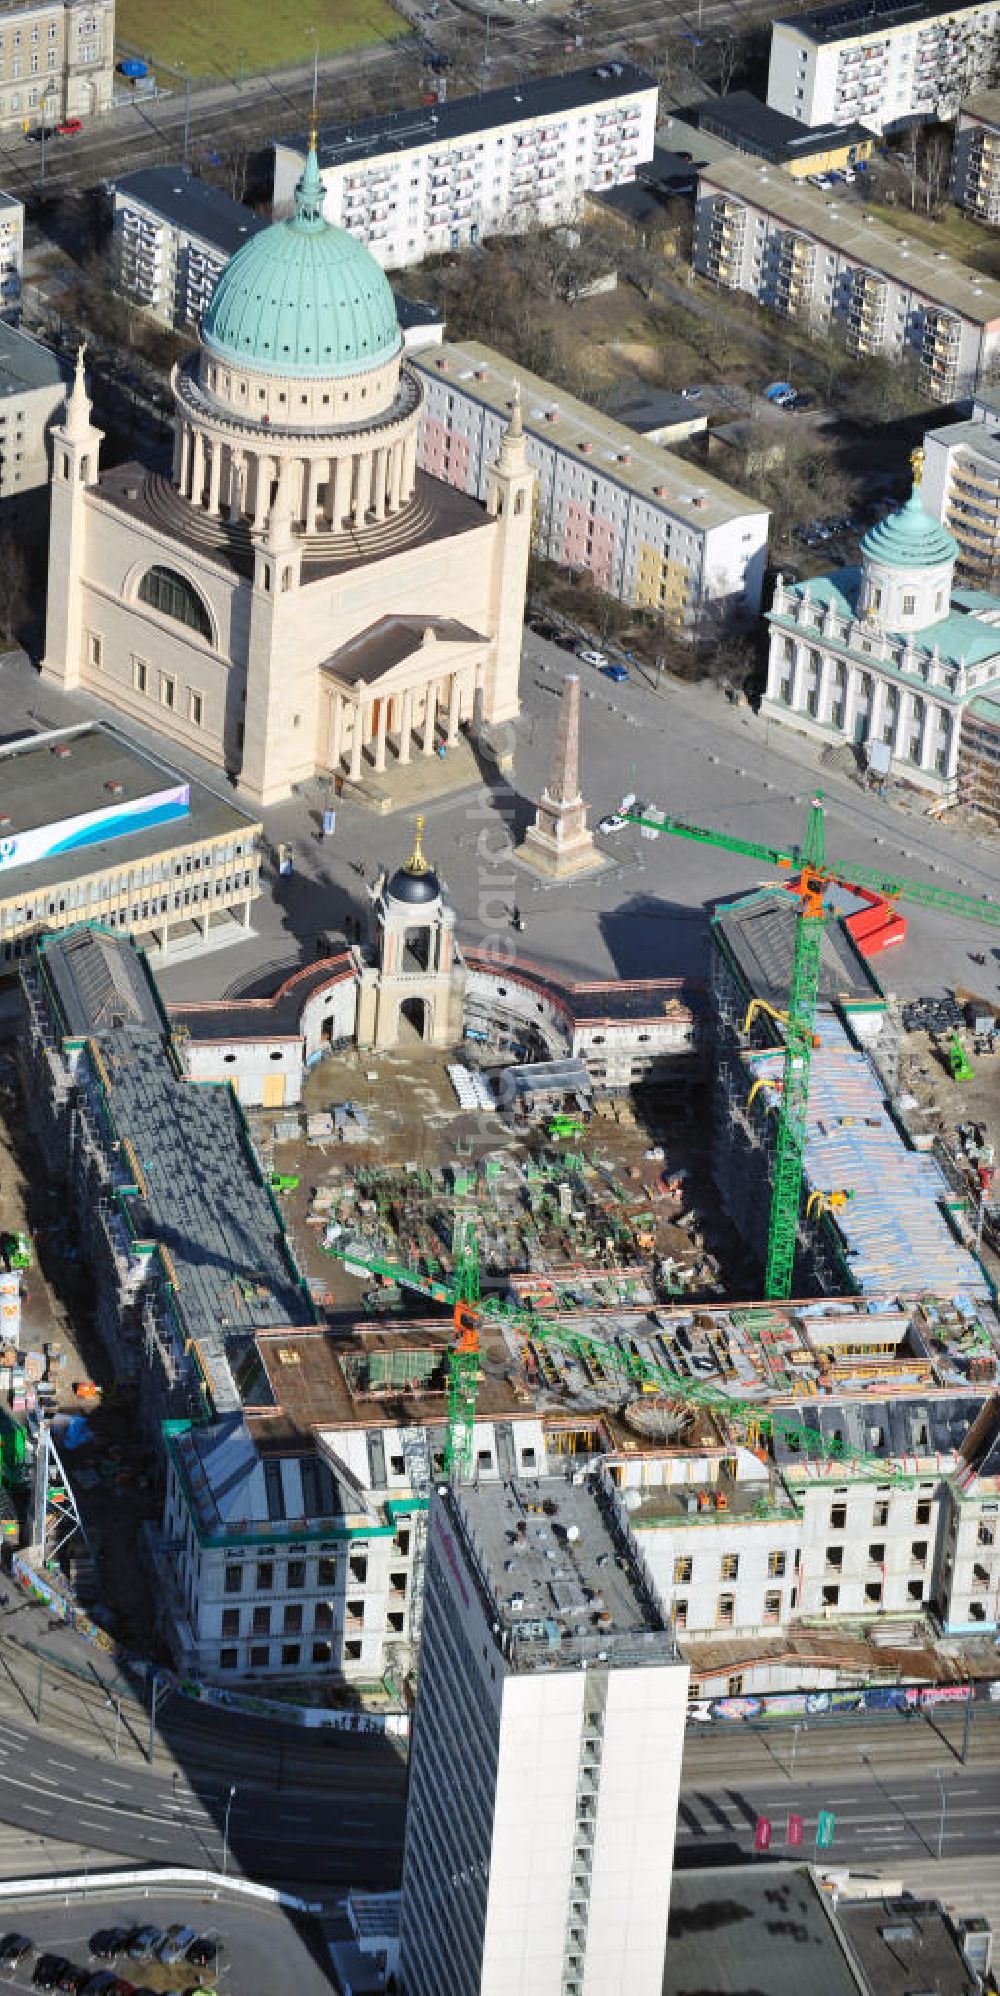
{"x":826,"y":1823}
{"x":796,"y":1830}
{"x":762,"y":1833}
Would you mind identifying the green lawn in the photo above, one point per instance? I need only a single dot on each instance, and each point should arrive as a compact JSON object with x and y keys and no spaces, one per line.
{"x":206,"y":36}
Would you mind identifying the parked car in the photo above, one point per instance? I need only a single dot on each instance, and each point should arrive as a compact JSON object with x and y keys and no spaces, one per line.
{"x":566,"y":641}
{"x":69,"y":128}
{"x":109,"y":1941}
{"x":587,"y":656}
{"x":102,"y":1983}
{"x":48,"y":1969}
{"x":613,"y":822}
{"x":13,"y":1949}
{"x":73,"y":1979}
{"x":176,"y":1942}
{"x":145,"y":1942}
{"x":616,"y":672}
{"x":204,"y":1952}
{"x":41,"y":132}
{"x":691,"y":394}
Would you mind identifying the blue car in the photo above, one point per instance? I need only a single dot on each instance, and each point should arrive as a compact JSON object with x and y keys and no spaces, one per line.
{"x":615,"y":672}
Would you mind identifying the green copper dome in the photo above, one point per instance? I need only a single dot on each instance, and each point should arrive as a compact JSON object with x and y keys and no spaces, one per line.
{"x":911,"y":538}
{"x":303,"y":298}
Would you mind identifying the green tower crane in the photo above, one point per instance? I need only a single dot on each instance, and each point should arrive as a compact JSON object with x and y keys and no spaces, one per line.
{"x":814,"y":871}
{"x":786,"y":1184}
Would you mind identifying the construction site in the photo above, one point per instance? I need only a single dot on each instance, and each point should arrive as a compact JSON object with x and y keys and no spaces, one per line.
{"x":753,"y":1292}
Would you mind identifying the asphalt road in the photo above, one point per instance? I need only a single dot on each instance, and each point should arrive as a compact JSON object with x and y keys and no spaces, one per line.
{"x":898,"y":1789}
{"x":882,"y":1778}
{"x":350,"y":1831}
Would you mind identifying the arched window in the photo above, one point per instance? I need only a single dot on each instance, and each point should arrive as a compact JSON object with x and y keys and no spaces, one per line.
{"x":164,"y":590}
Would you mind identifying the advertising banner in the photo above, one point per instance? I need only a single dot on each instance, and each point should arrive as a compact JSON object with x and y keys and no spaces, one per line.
{"x":826,"y":1823}
{"x":796,"y":1831}
{"x":134,"y":814}
{"x":762,"y":1833}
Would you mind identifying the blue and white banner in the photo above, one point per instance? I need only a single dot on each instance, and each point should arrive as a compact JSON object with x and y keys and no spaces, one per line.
{"x":89,"y":828}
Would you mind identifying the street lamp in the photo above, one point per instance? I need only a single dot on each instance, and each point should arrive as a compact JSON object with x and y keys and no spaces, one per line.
{"x":225,"y":1832}
{"x":43,"y":107}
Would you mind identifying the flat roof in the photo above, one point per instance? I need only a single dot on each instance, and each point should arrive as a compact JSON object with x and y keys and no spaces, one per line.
{"x":906,"y":1945}
{"x":191,"y":204}
{"x":607,"y":448}
{"x":562,"y":1578}
{"x":749,"y":125}
{"x":465,"y":117}
{"x":926,"y":264}
{"x":858,"y":20}
{"x":25,"y":363}
{"x":740,"y":1929}
{"x":985,"y":106}
{"x":395,"y":1376}
{"x":39,"y":788}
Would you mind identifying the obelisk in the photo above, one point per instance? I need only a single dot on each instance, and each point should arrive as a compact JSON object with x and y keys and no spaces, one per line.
{"x":559,"y":843}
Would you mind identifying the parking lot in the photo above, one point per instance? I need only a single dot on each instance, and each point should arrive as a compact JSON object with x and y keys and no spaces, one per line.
{"x":260,"y":1947}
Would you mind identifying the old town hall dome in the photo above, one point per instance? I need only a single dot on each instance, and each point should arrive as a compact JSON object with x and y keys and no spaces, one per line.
{"x":302,"y":298}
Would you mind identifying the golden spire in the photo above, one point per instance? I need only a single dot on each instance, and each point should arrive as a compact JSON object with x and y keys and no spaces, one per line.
{"x":313,"y":136}
{"x":416,"y":862}
{"x":917,"y":467}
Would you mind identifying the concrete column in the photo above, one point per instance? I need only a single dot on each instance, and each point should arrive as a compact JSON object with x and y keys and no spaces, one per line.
{"x":362,"y":487}
{"x":236,"y":473}
{"x":379,"y":472}
{"x":184,"y":472}
{"x":313,"y":476}
{"x":406,"y":725}
{"x":798,"y":679}
{"x":380,"y":734}
{"x":824,"y":687}
{"x":262,"y":493}
{"x":395,"y":476}
{"x":430,"y":716}
{"x":409,"y":464}
{"x":876,"y":709}
{"x":356,"y":744}
{"x":927,"y":734}
{"x":454,"y":707}
{"x":214,"y":475}
{"x":340,"y":483}
{"x":336,"y":729}
{"x":197,"y":468}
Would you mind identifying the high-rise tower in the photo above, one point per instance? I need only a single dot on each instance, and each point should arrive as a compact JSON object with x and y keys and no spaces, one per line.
{"x":546,"y":1753}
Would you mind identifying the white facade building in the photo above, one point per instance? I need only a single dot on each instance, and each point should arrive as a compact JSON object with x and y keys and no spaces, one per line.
{"x":650,"y":527}
{"x":891,"y":654}
{"x":546,"y":1757}
{"x":32,"y":391}
{"x":882,"y":65}
{"x":11,"y":251}
{"x":174,"y":236}
{"x":308,"y":1561}
{"x":824,"y":263}
{"x":414,"y":183}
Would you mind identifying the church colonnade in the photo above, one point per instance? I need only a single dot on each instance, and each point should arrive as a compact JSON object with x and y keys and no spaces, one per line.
{"x":333,"y":490}
{"x":408,"y":721}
